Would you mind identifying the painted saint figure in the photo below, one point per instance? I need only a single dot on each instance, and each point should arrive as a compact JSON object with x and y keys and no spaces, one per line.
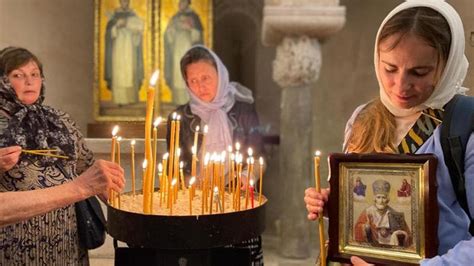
{"x":124,"y":54}
{"x":359,"y":187}
{"x":183,"y":31}
{"x":405,"y":189}
{"x":380,"y":224}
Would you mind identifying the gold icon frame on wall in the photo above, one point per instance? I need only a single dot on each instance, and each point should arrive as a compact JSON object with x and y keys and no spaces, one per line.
{"x":154,"y":15}
{"x":199,"y":12}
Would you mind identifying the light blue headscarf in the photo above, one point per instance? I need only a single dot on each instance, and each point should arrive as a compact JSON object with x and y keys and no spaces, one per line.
{"x":214,"y":114}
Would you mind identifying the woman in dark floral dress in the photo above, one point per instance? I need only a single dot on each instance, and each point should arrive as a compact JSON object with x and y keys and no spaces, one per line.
{"x":51,"y":238}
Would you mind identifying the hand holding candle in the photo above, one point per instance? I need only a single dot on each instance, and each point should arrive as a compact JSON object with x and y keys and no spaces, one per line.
{"x":320,"y":219}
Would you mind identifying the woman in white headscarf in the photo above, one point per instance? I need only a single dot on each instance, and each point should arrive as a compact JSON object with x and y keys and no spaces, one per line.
{"x":225,"y":107}
{"x":420,"y":65}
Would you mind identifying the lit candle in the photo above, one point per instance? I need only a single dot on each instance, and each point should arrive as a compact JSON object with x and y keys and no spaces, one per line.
{"x":171,"y":148}
{"x":151,"y":181}
{"x":317,"y":180}
{"x":112,"y":158}
{"x":193,"y":161}
{"x":132,"y":145}
{"x":173,"y":184}
{"x":204,"y":185}
{"x":181,"y":175}
{"x":177,"y":147}
{"x":148,"y":147}
{"x":260,"y":160}
{"x":222,"y":174}
{"x":191,"y":182}
{"x":144,"y":166}
{"x":229,"y":171}
{"x":251,"y":192}
{"x":160,"y":181}
{"x":117,"y":194}
{"x":164,"y":186}
{"x":239,"y":177}
{"x":196,"y":133}
{"x":203,"y":145}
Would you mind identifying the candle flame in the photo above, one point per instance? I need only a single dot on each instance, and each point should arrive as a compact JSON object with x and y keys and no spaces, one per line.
{"x":144,"y":164}
{"x":119,"y":139}
{"x":132,"y":142}
{"x":165,"y":156}
{"x":115,"y":130}
{"x":260,"y":160}
{"x":181,"y":165}
{"x":178,"y":117}
{"x":317,"y":153}
{"x":173,"y":182}
{"x":193,"y":150}
{"x":160,"y":167}
{"x":157,"y":121}
{"x":173,"y":116}
{"x":251,"y":182}
{"x":237,"y":146}
{"x":252,"y":160}
{"x":250,"y":152}
{"x":192,"y":180}
{"x":232,"y":156}
{"x":229,"y":148}
{"x":178,"y":152}
{"x":216,"y":189}
{"x":206,"y":158}
{"x":206,"y":129}
{"x":238,"y":158}
{"x":197,"y":128}
{"x":154,"y":78}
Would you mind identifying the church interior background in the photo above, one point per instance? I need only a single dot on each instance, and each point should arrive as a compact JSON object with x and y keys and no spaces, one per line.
{"x":337,"y":37}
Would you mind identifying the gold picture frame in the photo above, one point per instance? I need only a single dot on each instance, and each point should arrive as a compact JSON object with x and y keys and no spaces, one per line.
{"x":124,"y":58}
{"x":362,"y":187}
{"x":183,"y":23}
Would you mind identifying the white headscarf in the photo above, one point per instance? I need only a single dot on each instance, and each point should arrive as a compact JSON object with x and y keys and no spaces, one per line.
{"x":456,"y":67}
{"x":214,"y":113}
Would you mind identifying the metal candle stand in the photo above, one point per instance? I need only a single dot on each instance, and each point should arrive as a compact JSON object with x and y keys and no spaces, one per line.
{"x":184,"y":240}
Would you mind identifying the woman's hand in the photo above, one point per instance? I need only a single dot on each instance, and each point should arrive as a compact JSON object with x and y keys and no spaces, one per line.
{"x":100,"y":178}
{"x":356,"y":261}
{"x":315,"y":202}
{"x":9,"y":156}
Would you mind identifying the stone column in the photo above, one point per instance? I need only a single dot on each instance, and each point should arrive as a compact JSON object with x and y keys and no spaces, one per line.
{"x":296,"y":27}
